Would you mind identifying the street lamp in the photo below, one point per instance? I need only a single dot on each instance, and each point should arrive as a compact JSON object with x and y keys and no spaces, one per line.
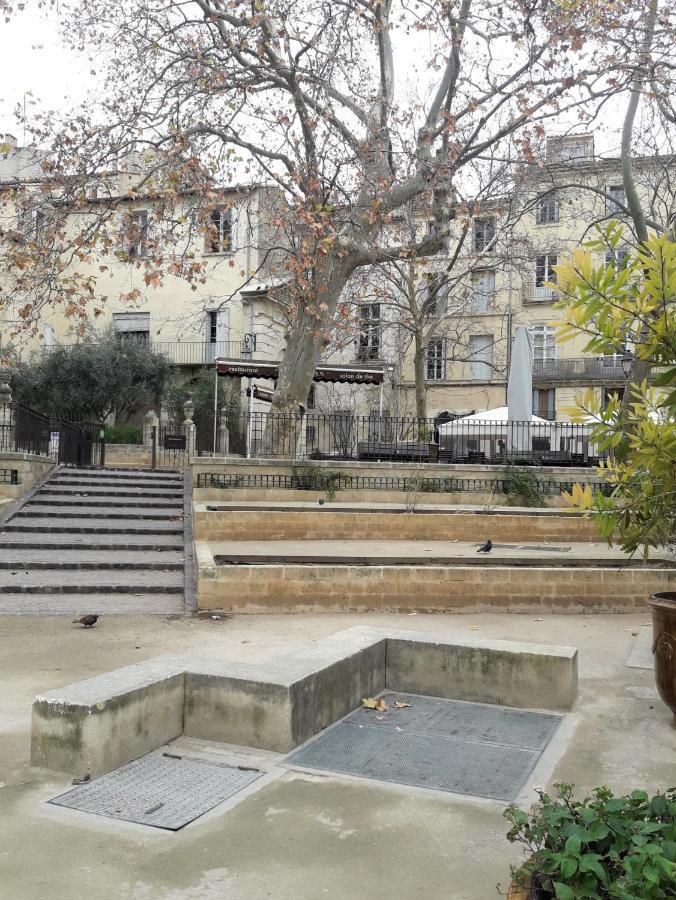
{"x":627,"y":359}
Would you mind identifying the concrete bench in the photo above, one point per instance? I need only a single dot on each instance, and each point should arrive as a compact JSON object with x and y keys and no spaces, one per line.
{"x":96,"y":725}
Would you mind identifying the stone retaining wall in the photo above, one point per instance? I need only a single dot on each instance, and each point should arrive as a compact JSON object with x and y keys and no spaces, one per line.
{"x":30,"y":469}
{"x":309,"y":524}
{"x":281,"y":495}
{"x":341,"y":588}
{"x":127,"y":456}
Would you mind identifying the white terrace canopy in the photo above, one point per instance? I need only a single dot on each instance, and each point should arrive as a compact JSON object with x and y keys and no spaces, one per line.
{"x":482,"y":419}
{"x":490,"y":435}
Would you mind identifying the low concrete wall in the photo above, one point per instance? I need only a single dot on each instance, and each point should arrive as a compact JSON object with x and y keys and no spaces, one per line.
{"x":99,"y":724}
{"x":406,"y":588}
{"x":334,"y":524}
{"x":286,"y":495}
{"x":484,"y":671}
{"x":30,"y":468}
{"x":127,"y":456}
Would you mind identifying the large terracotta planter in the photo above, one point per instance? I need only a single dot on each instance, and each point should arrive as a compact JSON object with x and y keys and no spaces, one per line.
{"x":664,"y":646}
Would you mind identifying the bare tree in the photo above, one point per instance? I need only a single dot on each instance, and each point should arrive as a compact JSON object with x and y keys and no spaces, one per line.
{"x":305,"y":95}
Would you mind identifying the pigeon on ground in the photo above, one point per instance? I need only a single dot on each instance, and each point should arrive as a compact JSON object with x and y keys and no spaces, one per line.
{"x":485,"y":548}
{"x":87,"y":621}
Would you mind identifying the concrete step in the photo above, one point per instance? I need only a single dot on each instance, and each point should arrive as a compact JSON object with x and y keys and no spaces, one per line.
{"x":56,"y":581}
{"x":95,"y":490}
{"x":85,"y":526}
{"x":126,"y":482}
{"x":74,"y":541}
{"x":99,"y":511}
{"x":76,"y":605}
{"x":121,"y":474}
{"x":24,"y":559}
{"x":109,"y":503}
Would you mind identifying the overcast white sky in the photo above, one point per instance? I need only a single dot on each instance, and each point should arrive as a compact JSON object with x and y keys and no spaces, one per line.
{"x":34,"y":60}
{"x":36,"y":63}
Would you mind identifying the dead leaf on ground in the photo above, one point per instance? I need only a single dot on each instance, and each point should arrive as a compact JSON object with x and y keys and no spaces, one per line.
{"x":400,"y":705}
{"x":374,"y":703}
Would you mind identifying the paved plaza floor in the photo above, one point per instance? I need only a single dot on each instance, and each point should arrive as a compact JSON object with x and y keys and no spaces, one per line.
{"x":303,"y":835}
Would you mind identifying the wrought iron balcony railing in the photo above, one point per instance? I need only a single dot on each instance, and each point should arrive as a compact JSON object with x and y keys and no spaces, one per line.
{"x":602,"y":369}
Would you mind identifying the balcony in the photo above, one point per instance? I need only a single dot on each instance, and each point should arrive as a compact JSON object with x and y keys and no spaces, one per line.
{"x":200,"y":353}
{"x":604,"y":370}
{"x":541,"y":294}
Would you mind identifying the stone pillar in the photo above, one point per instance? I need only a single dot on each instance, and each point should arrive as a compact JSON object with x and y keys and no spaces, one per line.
{"x":6,"y":420}
{"x":189,"y":425}
{"x":150,"y":421}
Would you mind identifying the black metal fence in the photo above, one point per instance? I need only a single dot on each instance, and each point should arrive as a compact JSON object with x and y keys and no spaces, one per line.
{"x":343,"y":436}
{"x":320,"y":480}
{"x":23,"y":430}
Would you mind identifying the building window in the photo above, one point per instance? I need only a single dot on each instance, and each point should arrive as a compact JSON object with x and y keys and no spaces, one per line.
{"x":434,"y":296}
{"x":547,"y":211}
{"x":615,"y":196}
{"x":483,"y":290}
{"x":484,"y":232}
{"x":312,"y":397}
{"x":544,"y":403}
{"x":212,"y":325}
{"x":612,"y":394}
{"x":138,"y":234}
{"x":569,"y":149}
{"x":481,"y":357}
{"x":436,"y":363}
{"x":544,"y":272}
{"x":544,"y":345}
{"x":368,"y":346}
{"x":616,"y":258}
{"x":220,"y":231}
{"x":132,"y":326}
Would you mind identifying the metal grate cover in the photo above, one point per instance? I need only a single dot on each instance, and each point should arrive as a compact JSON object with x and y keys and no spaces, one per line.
{"x":444,"y":745}
{"x":162,"y":791}
{"x":462,"y":720}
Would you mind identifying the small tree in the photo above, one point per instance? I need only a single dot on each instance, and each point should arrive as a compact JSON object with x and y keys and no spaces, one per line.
{"x":112,"y":377}
{"x":616,"y":307}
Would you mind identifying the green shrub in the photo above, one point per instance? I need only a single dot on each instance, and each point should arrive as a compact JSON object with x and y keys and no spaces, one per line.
{"x":313,"y":478}
{"x":601,"y":847}
{"x":521,"y":487}
{"x":123,"y":434}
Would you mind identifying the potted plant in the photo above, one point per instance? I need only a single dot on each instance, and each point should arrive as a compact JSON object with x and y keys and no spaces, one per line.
{"x":664,"y":646}
{"x":600,"y":847}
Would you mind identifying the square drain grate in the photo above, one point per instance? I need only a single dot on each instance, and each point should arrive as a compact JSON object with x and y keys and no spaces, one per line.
{"x":445,"y":745}
{"x":162,"y":791}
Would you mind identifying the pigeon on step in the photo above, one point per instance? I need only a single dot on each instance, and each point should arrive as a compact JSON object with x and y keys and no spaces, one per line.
{"x":485,"y":548}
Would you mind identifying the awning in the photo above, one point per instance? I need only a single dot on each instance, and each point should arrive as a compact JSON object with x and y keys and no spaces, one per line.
{"x":250,"y":368}
{"x":262,"y":394}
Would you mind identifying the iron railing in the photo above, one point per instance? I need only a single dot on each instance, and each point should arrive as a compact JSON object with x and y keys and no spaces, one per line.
{"x":322,"y":480}
{"x":23,"y":430}
{"x":583,"y":369}
{"x":405,"y":439}
{"x":184,"y":353}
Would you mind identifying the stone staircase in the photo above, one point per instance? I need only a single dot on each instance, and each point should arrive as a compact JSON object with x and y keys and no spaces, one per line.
{"x":96,"y":541}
